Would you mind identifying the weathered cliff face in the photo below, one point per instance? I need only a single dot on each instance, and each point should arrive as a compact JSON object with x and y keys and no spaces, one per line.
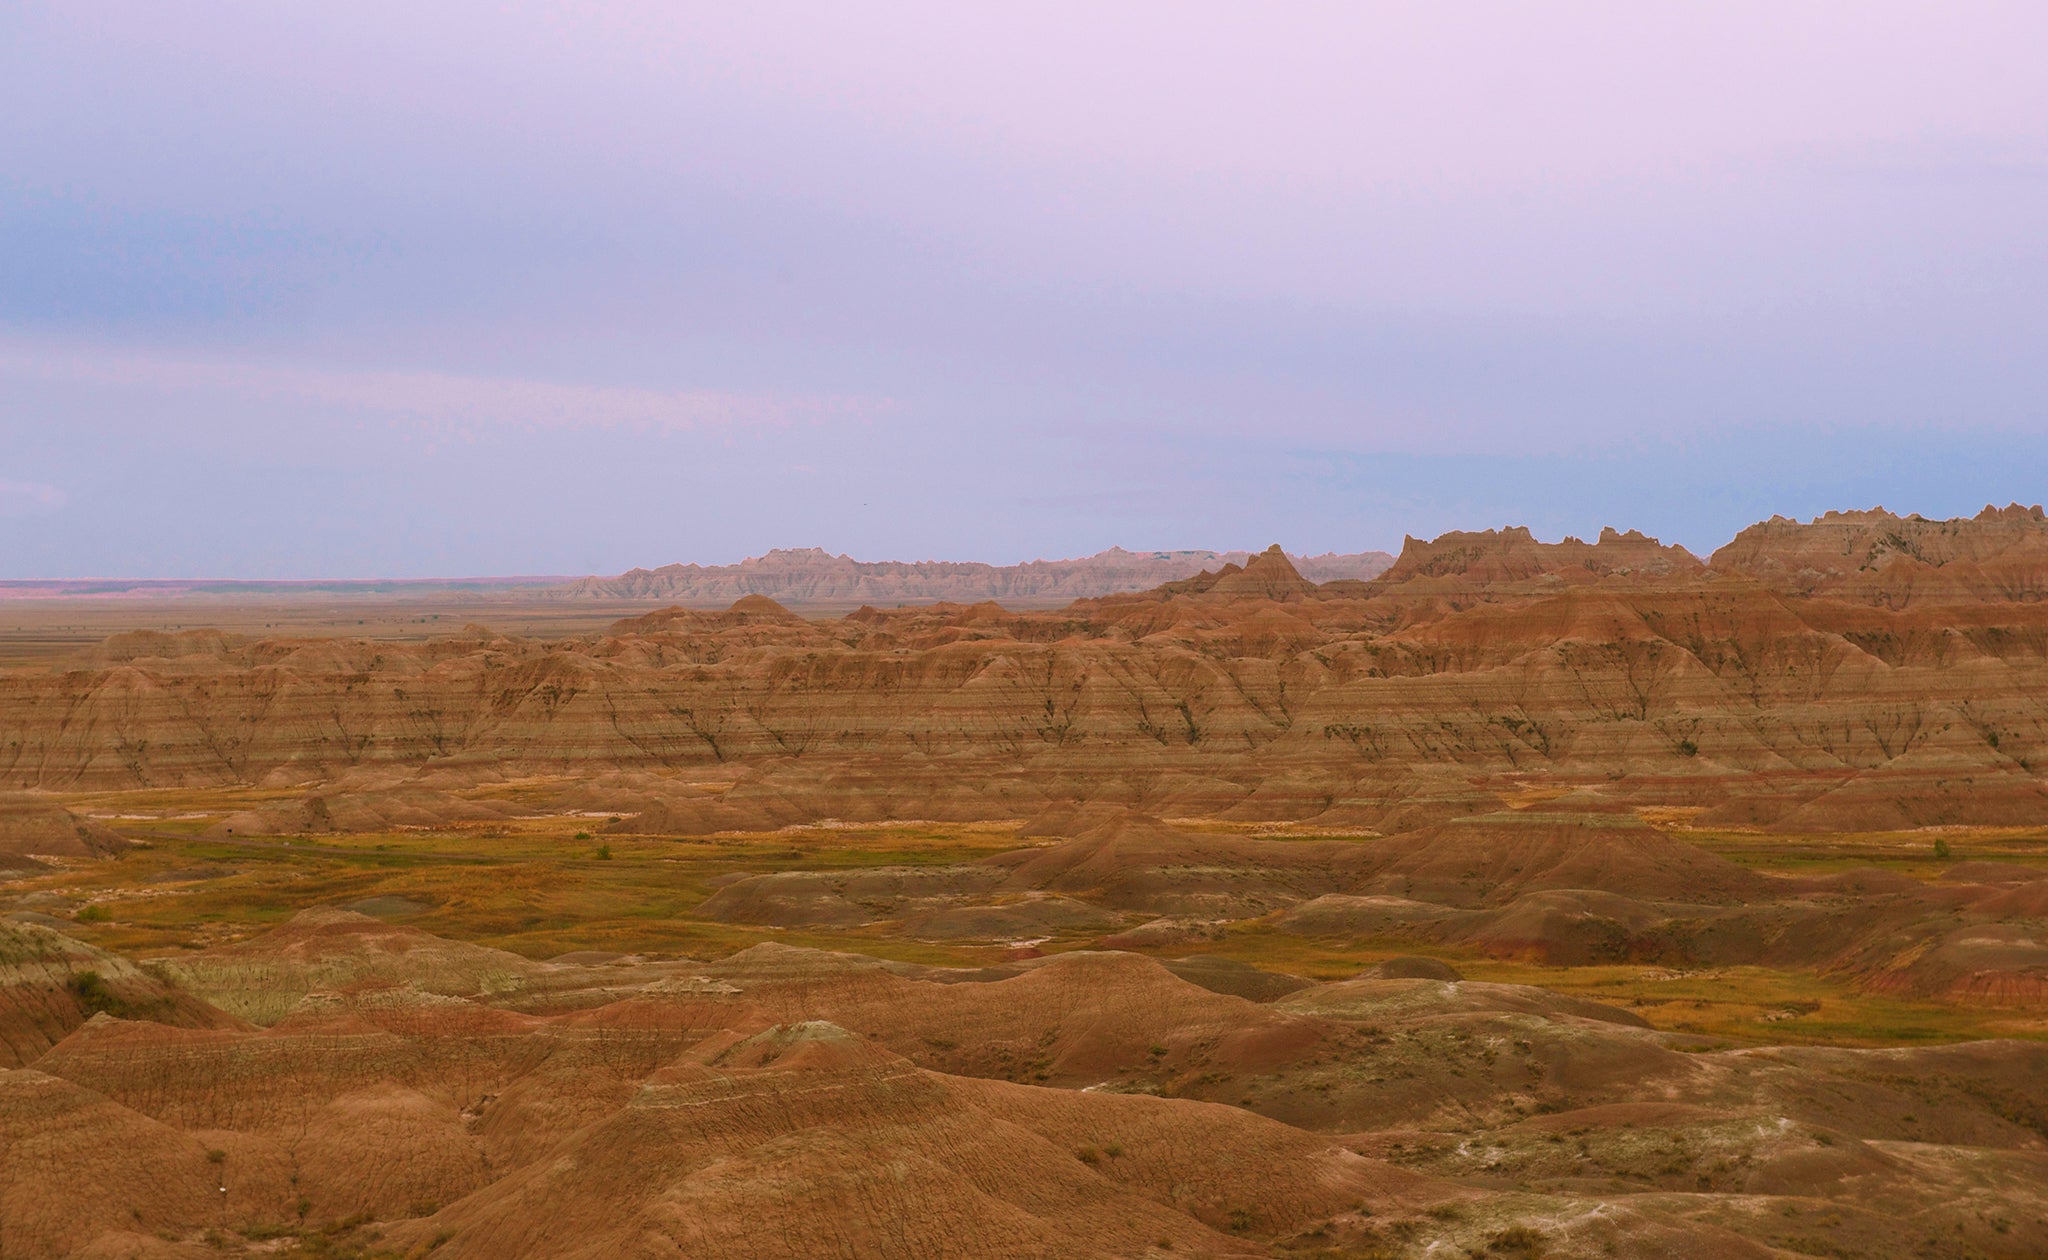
{"x":1488,"y":557}
{"x":815,"y":577}
{"x":1876,"y":557}
{"x":1249,"y":695}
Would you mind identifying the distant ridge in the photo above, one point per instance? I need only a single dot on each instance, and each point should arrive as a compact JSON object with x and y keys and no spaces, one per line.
{"x":814,"y":577}
{"x":228,"y":589}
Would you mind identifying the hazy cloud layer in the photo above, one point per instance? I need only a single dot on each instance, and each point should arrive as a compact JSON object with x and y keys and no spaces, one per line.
{"x":372,"y":288}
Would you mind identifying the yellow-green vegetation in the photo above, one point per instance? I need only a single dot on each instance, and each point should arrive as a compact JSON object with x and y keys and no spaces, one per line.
{"x":552,"y":884}
{"x":1920,"y":854}
{"x":529,"y":886}
{"x":1754,"y":1004}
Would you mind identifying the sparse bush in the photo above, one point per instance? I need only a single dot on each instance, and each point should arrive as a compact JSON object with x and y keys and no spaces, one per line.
{"x":1089,"y":1156}
{"x":93,"y":995}
{"x":604,"y":853}
{"x":583,"y":835}
{"x":92,"y":914}
{"x":1516,"y":1240}
{"x":1942,"y":852}
{"x":1687,"y":748}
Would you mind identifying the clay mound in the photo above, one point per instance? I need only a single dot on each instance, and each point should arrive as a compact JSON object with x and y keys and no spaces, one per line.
{"x":788,"y":1101}
{"x":804,"y":1141}
{"x":1033,"y":916}
{"x":80,"y":1168}
{"x":1166,"y":932}
{"x":846,"y":898}
{"x":1569,"y":928}
{"x":1375,"y":998}
{"x":1346,"y":914}
{"x":746,"y":611}
{"x":2016,"y":901}
{"x":367,"y":811}
{"x":1493,"y":858}
{"x":50,"y":984}
{"x":1129,"y":861}
{"x":1075,"y":1018}
{"x":1994,"y":964}
{"x":31,"y":826}
{"x":707,"y":817}
{"x":262,"y":979}
{"x":1227,"y":975}
{"x":1409,"y":967}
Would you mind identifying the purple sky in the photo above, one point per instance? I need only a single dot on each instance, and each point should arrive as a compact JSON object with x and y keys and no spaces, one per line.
{"x":399,"y":289}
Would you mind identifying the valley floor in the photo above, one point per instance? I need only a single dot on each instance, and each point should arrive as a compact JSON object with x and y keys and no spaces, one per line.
{"x":1545,"y":1032}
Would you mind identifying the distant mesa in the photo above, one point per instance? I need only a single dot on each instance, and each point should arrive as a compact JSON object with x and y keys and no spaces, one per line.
{"x":814,"y":577}
{"x":1514,"y":555}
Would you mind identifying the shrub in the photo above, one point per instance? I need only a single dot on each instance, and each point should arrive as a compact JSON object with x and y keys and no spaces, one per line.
{"x":1942,"y":852}
{"x":92,"y":914}
{"x":91,"y":990}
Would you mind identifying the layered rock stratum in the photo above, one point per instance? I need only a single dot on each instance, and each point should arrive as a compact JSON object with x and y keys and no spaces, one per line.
{"x":1477,"y":665}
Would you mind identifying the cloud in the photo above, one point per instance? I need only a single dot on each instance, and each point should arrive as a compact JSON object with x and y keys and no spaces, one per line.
{"x":30,"y":498}
{"x":447,"y":402}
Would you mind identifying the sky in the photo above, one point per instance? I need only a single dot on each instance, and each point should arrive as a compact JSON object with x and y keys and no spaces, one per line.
{"x":390,"y":289}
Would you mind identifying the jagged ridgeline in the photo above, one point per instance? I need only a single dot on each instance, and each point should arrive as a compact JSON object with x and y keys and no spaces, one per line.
{"x":1861,"y":671}
{"x":813,"y":577}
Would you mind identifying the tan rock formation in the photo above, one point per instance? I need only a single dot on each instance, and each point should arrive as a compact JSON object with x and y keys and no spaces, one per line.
{"x":816,"y":578}
{"x":1480,"y":664}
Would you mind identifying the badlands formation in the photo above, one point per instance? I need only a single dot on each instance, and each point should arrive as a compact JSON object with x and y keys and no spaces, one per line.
{"x":1522,"y":899}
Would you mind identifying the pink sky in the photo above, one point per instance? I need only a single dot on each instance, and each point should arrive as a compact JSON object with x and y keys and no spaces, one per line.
{"x":1000,"y":283}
